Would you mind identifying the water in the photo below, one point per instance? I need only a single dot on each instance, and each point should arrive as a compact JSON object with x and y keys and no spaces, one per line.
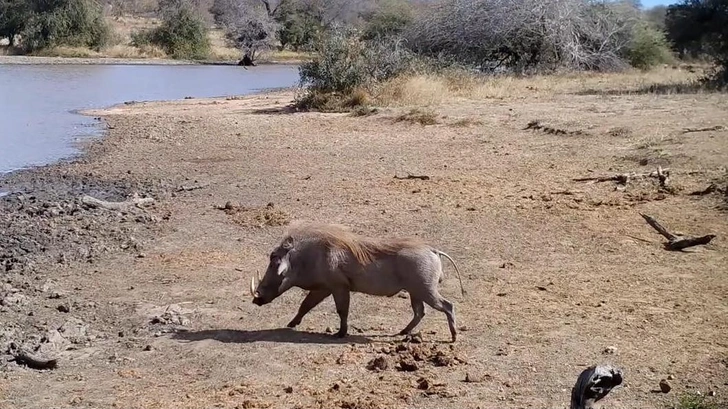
{"x":37,"y":102}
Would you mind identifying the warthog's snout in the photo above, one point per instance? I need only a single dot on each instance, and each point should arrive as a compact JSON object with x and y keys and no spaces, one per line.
{"x":258,"y":298}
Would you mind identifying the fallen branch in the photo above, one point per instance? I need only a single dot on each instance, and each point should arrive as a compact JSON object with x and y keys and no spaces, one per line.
{"x":710,"y":128}
{"x":119,"y":206}
{"x":708,"y":190}
{"x":184,"y":188}
{"x":411,"y":176}
{"x":623,"y":178}
{"x":675,"y":243}
{"x":34,"y":362}
{"x":593,"y":384}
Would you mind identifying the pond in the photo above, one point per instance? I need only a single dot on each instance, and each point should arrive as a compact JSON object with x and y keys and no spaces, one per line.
{"x":38,"y":123}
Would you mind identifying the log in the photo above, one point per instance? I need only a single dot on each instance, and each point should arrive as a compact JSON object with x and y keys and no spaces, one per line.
{"x":623,"y":178}
{"x":706,"y":129}
{"x":674,"y":242}
{"x":34,"y":362}
{"x":411,"y":176}
{"x":593,"y":384}
{"x":708,"y":190}
{"x":118,"y":206}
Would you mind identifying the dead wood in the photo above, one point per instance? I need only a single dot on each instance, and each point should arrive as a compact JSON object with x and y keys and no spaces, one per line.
{"x":34,"y":362}
{"x":623,"y":178}
{"x":119,"y":206}
{"x":674,"y":242}
{"x":411,"y":176}
{"x":708,"y":190}
{"x":536,"y":125}
{"x":184,"y":188}
{"x":707,"y":129}
{"x":593,"y":384}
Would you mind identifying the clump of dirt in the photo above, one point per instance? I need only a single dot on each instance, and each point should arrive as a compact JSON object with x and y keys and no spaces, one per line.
{"x":256,"y":216}
{"x":412,"y":356}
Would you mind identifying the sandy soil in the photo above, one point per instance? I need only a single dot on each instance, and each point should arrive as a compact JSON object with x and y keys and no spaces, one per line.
{"x":148,"y":308}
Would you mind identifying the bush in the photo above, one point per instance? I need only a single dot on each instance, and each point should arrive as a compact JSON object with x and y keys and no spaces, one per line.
{"x":343,"y":62}
{"x":649,"y":48}
{"x":182,"y":35}
{"x":526,"y":35}
{"x":75,"y":23}
{"x":388,"y":20}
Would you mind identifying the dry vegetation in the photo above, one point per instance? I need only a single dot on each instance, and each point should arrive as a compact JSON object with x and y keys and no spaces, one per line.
{"x":561,"y":274}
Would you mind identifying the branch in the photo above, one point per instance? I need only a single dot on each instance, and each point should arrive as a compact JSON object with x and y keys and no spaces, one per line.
{"x":593,"y":384}
{"x":710,"y":128}
{"x":411,"y":176}
{"x":34,"y":362}
{"x":119,"y":206}
{"x":676,"y":243}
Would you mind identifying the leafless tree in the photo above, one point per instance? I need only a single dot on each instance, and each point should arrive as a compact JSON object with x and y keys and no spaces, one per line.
{"x":249,"y":24}
{"x":522,"y":35}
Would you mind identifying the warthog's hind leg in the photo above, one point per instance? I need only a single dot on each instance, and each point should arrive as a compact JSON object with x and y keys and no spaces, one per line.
{"x":441,"y":304}
{"x":313,"y":299}
{"x":418,"y":308}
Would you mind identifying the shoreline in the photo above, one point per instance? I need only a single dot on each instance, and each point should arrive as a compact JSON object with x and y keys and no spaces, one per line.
{"x":39,"y":60}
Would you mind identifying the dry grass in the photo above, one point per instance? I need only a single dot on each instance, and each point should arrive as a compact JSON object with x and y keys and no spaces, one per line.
{"x":418,"y":116}
{"x":430,"y":90}
{"x":69,"y":52}
{"x":128,"y":51}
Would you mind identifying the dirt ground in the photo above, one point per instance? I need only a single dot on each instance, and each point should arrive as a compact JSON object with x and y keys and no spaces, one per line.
{"x":149,"y":307}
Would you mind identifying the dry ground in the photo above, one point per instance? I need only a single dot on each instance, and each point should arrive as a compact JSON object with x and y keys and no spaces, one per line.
{"x":557,"y":271}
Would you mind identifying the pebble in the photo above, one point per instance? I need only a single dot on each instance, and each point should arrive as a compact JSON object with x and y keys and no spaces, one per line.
{"x":64,"y":308}
{"x":665,"y":386}
{"x":610,"y":350}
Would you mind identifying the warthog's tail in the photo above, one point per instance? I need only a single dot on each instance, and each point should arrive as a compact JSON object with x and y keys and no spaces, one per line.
{"x":442,"y":253}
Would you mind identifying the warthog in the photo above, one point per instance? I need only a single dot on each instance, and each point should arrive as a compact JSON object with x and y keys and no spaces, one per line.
{"x":329,"y":259}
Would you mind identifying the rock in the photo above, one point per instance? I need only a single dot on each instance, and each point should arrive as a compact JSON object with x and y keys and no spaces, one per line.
{"x":408,"y":364}
{"x":610,"y":350}
{"x":423,"y":384}
{"x":712,"y":393}
{"x":14,"y":299}
{"x":665,"y":386}
{"x":148,"y":348}
{"x":473,"y":378}
{"x":288,"y":389}
{"x":64,"y":308}
{"x":670,"y":377}
{"x":413,"y":338}
{"x":380,"y":363}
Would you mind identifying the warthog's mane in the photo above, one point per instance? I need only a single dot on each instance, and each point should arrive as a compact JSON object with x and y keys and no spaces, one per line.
{"x":364,"y":249}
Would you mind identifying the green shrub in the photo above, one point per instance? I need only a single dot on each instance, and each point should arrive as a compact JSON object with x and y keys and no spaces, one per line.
{"x":76,"y":23}
{"x":649,"y":47}
{"x":182,"y":35}
{"x":388,"y":20}
{"x":343,"y":62}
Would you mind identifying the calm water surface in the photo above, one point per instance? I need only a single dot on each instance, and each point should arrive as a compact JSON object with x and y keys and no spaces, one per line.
{"x":37,"y":102}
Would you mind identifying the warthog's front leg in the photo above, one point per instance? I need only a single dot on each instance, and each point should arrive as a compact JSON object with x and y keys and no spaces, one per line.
{"x":341,"y":299}
{"x":313,"y":299}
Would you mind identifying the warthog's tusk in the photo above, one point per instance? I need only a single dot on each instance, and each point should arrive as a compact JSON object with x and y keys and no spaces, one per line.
{"x":252,"y":286}
{"x":257,"y":273}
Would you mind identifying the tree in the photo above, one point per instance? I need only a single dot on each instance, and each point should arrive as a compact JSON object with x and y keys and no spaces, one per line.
{"x":388,"y":19}
{"x":656,"y":17}
{"x":526,"y":35}
{"x":699,"y":27}
{"x":182,"y":33}
{"x":50,"y":23}
{"x":13,"y":14}
{"x":248,"y":24}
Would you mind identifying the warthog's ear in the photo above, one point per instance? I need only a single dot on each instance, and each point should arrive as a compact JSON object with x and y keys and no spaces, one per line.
{"x":284,"y":266}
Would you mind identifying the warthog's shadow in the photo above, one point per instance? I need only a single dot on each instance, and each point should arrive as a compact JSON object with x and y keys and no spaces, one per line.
{"x":285,"y":335}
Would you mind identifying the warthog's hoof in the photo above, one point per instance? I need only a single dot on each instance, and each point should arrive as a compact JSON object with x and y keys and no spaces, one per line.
{"x":293,"y":324}
{"x":340,"y":334}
